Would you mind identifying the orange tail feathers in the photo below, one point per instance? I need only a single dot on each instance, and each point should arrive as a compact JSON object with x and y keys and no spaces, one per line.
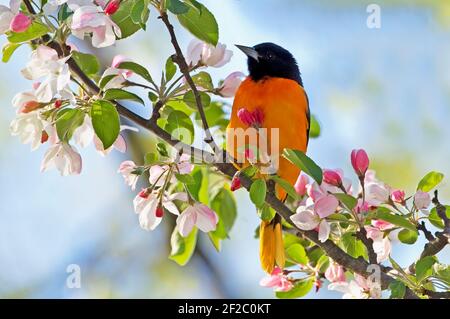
{"x":271,"y":248}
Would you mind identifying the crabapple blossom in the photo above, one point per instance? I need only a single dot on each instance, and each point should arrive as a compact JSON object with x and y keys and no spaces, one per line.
{"x":300,"y":184}
{"x":127,"y":169}
{"x":377,"y":193}
{"x":360,"y":162}
{"x":7,"y":15}
{"x":64,"y":157}
{"x":335,"y":272}
{"x":398,"y":196}
{"x":306,"y":219}
{"x":46,"y":64}
{"x":25,"y":102}
{"x":28,"y":126}
{"x":20,"y":23}
{"x":277,"y":280}
{"x":231,"y":84}
{"x":91,"y":19}
{"x":146,"y":206}
{"x":158,"y":173}
{"x":381,"y":244}
{"x":121,"y":75}
{"x":422,"y":200}
{"x":198,"y":215}
{"x":355,"y":289}
{"x":332,"y":177}
{"x":207,"y":54}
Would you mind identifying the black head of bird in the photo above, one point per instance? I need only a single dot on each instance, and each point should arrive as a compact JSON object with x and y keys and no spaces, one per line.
{"x":271,"y":60}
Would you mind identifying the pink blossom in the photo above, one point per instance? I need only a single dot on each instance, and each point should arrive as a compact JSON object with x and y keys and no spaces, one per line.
{"x":306,"y":219}
{"x":235,"y":183}
{"x":91,"y":19}
{"x":251,"y":118}
{"x":112,"y":7}
{"x":335,"y":272}
{"x":197,"y":215}
{"x":332,"y":177}
{"x":362,"y":206}
{"x":231,"y":84}
{"x":64,"y":157}
{"x":300,"y":184}
{"x":117,"y":60}
{"x":7,"y":14}
{"x":377,"y":193}
{"x":360,"y":162}
{"x":398,"y":196}
{"x":146,"y":206}
{"x":381,"y":244}
{"x":381,"y":224}
{"x":326,"y":206}
{"x":277,"y":280}
{"x":422,"y":200}
{"x":28,"y":126}
{"x":158,"y":173}
{"x":20,"y":23}
{"x":207,"y":54}
{"x":127,"y":169}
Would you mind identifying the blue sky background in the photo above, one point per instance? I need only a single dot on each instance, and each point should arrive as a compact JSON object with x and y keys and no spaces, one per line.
{"x":386,"y":90}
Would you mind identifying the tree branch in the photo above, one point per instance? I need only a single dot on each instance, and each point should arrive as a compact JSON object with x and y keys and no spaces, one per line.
{"x":184,"y":69}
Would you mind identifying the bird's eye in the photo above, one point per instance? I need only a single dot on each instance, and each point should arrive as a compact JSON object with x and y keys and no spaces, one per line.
{"x":270,"y":56}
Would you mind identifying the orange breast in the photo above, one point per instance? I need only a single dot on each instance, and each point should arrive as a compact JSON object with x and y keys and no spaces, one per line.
{"x":285,"y":106}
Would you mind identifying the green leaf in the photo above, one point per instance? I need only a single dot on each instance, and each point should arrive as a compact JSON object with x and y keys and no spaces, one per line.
{"x":136,"y":68}
{"x":189,"y":99}
{"x":215,"y":115}
{"x":322,"y":263}
{"x":407,"y":236}
{"x":224,"y":204}
{"x":152,"y":96}
{"x":162,"y":149}
{"x":105,"y":80}
{"x":297,"y":253}
{"x":394,"y":219}
{"x":185,"y":178}
{"x":150,"y":158}
{"x":258,"y":191}
{"x":8,"y":50}
{"x":105,"y":121}
{"x":182,"y":247}
{"x":194,"y":189}
{"x":67,"y":121}
{"x":201,"y":23}
{"x":314,"y":130}
{"x":397,"y":289}
{"x":35,"y":30}
{"x":303,"y":162}
{"x":88,"y":63}
{"x":434,"y":218}
{"x":64,"y":12}
{"x":171,"y":69}
{"x":137,"y":12}
{"x":353,"y":246}
{"x":266,"y":212}
{"x":300,"y":289}
{"x":176,"y":6}
{"x":123,"y":18}
{"x":285,"y":185}
{"x":203,"y":79}
{"x":430,"y":181}
{"x":119,"y":94}
{"x":424,"y":267}
{"x":180,"y":126}
{"x":349,"y":201}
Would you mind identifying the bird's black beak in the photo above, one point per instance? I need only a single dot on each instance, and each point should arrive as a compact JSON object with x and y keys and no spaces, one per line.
{"x":249,"y":51}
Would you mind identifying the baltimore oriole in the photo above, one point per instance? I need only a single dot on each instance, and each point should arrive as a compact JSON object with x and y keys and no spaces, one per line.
{"x":274,"y":88}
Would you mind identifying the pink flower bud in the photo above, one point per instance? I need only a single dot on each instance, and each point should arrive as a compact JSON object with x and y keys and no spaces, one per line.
{"x":398,"y":196}
{"x":360,"y":162}
{"x":422,"y":200}
{"x":231,"y":84}
{"x":144,"y":193}
{"x":20,"y":23}
{"x":159,"y":211}
{"x":44,"y":137}
{"x":58,"y":104}
{"x":300,"y":184}
{"x":112,"y":7}
{"x":30,"y":106}
{"x":335,"y":273}
{"x":332,"y":177}
{"x":253,"y":119}
{"x":235,"y":183}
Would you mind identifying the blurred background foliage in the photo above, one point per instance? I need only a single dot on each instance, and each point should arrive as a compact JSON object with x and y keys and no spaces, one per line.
{"x":386,"y":90}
